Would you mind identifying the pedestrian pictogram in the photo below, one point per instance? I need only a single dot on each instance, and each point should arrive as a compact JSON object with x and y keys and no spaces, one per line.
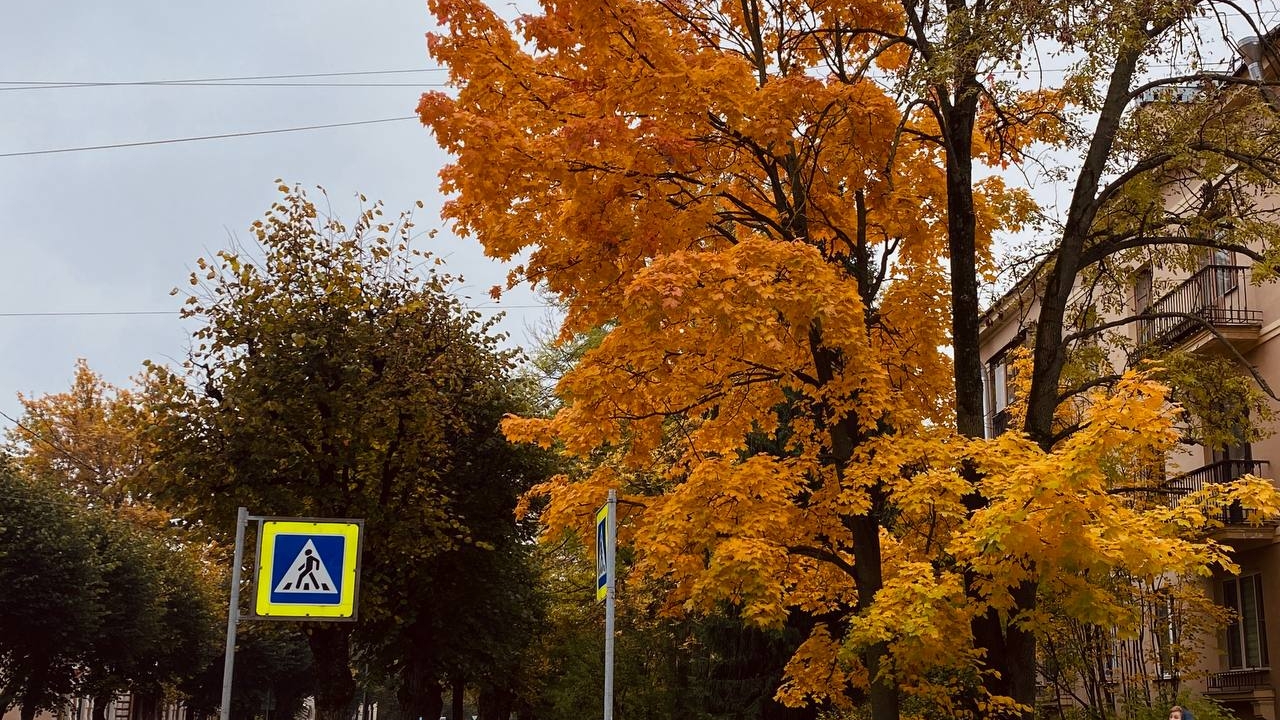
{"x":307,"y":569}
{"x":308,"y":573}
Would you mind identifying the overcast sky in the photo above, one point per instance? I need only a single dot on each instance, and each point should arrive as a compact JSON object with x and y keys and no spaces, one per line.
{"x":114,"y":230}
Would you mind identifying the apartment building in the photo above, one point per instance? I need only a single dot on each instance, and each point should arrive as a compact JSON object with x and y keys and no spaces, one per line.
{"x":1236,"y":669}
{"x":1212,"y":310}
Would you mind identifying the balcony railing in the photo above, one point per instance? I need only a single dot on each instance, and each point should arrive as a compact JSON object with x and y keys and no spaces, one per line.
{"x":1220,"y":472}
{"x":1000,"y":423}
{"x":1215,"y":296}
{"x":1239,"y":680}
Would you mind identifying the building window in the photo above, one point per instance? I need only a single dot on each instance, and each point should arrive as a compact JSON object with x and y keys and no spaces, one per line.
{"x":1222,"y":279}
{"x":1142,"y":302}
{"x":999,"y":394}
{"x":1142,"y":289}
{"x":1247,"y":633}
{"x":998,"y":382}
{"x":999,"y":385}
{"x":1165,"y":630}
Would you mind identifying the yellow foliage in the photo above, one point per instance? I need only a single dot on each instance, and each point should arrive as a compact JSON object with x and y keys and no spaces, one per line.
{"x":764,"y":237}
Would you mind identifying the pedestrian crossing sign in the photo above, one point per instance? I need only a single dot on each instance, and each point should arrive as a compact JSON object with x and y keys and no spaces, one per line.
{"x":308,"y":569}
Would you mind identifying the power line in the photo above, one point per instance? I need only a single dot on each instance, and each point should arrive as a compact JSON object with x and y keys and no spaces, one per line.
{"x":228,"y":84}
{"x":205,"y":137}
{"x":174,"y":313}
{"x":54,"y":84}
{"x":57,"y":446}
{"x":86,"y":314}
{"x":248,"y":80}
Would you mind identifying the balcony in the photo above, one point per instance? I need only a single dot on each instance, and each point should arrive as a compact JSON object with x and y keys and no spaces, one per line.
{"x":1240,"y":528}
{"x":1234,"y":681}
{"x":1217,"y":297}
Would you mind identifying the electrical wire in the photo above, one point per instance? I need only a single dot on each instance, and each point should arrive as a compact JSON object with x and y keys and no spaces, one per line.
{"x":205,"y":137}
{"x":173,"y":313}
{"x":232,"y":84}
{"x":56,"y":84}
{"x":55,"y":445}
{"x":87,"y":313}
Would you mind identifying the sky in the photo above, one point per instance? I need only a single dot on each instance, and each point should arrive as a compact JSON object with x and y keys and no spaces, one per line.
{"x":114,"y":230}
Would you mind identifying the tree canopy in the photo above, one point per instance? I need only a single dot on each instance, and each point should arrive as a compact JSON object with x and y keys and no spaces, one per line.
{"x":93,"y":604}
{"x":777,"y":210}
{"x":335,"y":374}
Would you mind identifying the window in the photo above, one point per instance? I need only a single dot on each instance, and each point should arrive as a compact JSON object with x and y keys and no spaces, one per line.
{"x":999,"y":394}
{"x":1247,"y":633}
{"x":1165,"y":630}
{"x":999,"y":385}
{"x":1142,"y":301}
{"x":1142,"y":289}
{"x":1221,"y":280}
{"x":998,"y":380}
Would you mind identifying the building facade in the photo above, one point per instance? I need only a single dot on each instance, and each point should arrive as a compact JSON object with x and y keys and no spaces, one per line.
{"x":1214,"y":311}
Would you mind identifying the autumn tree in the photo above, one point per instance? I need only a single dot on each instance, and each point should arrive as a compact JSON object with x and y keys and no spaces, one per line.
{"x":709,"y":665}
{"x":157,"y":601}
{"x":334,"y":374}
{"x":88,"y":440}
{"x":1171,"y":158}
{"x":782,"y":249}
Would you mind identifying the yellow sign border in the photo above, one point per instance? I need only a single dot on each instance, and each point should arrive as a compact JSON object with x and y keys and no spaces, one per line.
{"x":345,"y":608}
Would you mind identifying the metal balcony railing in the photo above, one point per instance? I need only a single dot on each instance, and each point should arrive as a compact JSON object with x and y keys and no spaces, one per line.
{"x":1000,"y":423}
{"x":1217,"y":295}
{"x":1223,"y":471}
{"x":1238,"y":680}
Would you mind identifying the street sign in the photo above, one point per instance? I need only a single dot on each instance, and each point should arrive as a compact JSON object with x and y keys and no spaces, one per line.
{"x":602,"y":552}
{"x":307,"y":569}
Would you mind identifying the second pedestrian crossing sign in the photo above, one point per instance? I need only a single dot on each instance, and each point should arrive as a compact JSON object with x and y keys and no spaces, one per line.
{"x":308,"y":569}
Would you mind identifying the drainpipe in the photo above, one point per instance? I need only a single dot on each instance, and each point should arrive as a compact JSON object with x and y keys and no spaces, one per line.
{"x":1252,"y":49}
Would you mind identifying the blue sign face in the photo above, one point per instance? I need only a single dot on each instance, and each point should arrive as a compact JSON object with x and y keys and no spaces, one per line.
{"x":307,"y":569}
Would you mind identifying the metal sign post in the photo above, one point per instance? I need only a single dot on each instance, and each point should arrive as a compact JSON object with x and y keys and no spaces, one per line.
{"x":610,"y":522}
{"x":233,"y":614}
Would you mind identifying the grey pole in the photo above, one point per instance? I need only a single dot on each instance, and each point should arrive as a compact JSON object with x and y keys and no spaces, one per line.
{"x":233,"y":615}
{"x":610,"y":593}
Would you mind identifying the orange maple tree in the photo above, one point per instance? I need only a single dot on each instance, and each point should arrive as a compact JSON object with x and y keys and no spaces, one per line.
{"x":763,"y":229}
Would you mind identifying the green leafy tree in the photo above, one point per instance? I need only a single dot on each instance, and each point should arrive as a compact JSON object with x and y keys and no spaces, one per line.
{"x":159,"y":619}
{"x":332,"y":375}
{"x":157,"y":606}
{"x":50,"y":608}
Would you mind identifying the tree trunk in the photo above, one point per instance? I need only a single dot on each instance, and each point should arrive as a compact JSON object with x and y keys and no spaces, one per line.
{"x":1009,"y":651}
{"x":420,"y":694}
{"x":868,"y":576}
{"x":335,"y":687}
{"x":101,"y":702}
{"x":457,"y":710}
{"x":962,"y":249}
{"x":1050,"y":353}
{"x":869,"y":580}
{"x":29,"y":708}
{"x":30,"y":694}
{"x":494,"y":703}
